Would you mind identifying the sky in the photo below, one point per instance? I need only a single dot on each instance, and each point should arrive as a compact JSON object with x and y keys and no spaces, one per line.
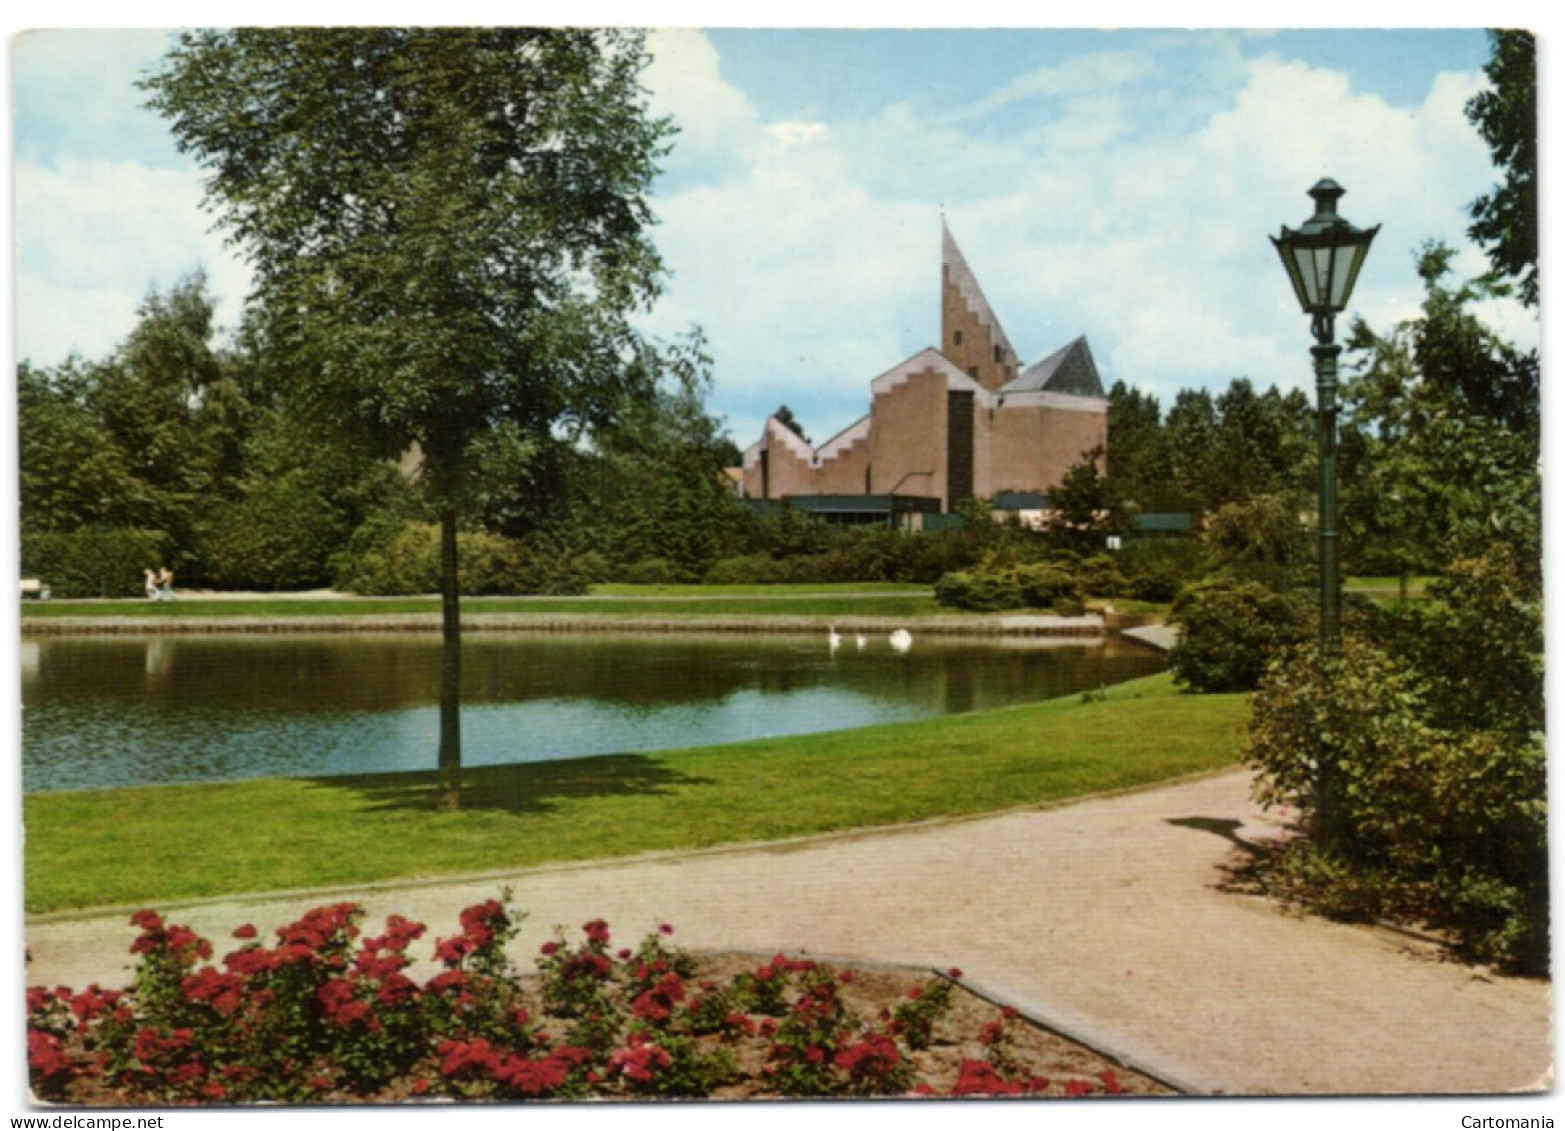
{"x":1117,"y":184}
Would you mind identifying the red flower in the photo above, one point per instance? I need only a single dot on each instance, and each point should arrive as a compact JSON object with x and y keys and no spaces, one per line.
{"x":597,"y":931}
{"x":954,"y":973}
{"x":979,"y":1078}
{"x":247,"y":931}
{"x":1078,"y":1088}
{"x":46,"y":1055}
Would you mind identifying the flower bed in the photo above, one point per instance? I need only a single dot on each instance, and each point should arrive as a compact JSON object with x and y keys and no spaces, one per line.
{"x":328,"y":1014}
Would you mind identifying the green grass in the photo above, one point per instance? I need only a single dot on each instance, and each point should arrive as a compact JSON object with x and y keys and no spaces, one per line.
{"x":782,"y":589}
{"x":152,"y":845}
{"x":1388,"y":588}
{"x":682,"y":601}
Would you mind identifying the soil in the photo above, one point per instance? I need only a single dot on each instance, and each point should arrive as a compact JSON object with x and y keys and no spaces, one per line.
{"x":1038,"y":1052}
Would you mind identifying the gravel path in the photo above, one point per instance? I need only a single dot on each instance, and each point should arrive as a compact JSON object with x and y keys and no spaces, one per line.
{"x":1102,"y":915}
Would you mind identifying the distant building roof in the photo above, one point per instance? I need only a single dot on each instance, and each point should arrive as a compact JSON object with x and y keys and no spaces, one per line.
{"x":1020,"y":501}
{"x":858,"y":504}
{"x":1151,"y":523}
{"x":1069,"y":369}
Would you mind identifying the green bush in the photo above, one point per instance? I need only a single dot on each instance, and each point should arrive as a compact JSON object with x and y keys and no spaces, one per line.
{"x":1229,"y":631}
{"x":1155,"y":569}
{"x":746,"y":569}
{"x":96,"y":561}
{"x":280,"y":536}
{"x":1403,"y":817}
{"x":995,"y":586}
{"x":391,"y":557}
{"x":1100,"y":576}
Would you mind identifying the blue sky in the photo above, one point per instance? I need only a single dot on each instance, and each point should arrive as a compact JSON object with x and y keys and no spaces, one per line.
{"x":1119,"y":185}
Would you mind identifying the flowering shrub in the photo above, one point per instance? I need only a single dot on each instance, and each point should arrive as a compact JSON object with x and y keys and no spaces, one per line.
{"x":914,"y":1019}
{"x":329,"y":1013}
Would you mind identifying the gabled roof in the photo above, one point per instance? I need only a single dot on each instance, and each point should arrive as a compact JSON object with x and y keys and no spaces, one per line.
{"x":1069,"y":370}
{"x":966,"y":284}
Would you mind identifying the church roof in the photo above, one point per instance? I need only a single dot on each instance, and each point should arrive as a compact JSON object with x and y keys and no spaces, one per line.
{"x":967,"y":284}
{"x":1069,"y":370}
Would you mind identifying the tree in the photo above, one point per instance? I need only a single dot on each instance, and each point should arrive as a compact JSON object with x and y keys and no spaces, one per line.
{"x":1081,"y":506}
{"x":1137,"y":461}
{"x":1446,"y":423}
{"x":1189,"y":433}
{"x":1505,"y":221}
{"x":448,"y":230}
{"x":168,"y":401}
{"x":653,"y":492}
{"x":784,"y":416}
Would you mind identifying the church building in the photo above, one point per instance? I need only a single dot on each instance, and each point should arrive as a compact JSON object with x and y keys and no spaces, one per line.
{"x":949,"y":423}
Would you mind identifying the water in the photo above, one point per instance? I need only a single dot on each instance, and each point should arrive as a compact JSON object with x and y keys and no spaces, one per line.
{"x":122,"y":710}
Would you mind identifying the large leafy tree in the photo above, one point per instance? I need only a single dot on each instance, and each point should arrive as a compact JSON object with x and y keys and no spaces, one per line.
{"x":1137,"y":460}
{"x":448,"y":230}
{"x":1505,"y":221}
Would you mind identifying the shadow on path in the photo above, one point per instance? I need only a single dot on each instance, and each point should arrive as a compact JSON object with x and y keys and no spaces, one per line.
{"x":1227,"y":828}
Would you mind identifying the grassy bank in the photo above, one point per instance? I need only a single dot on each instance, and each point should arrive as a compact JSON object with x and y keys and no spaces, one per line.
{"x":153,"y":845}
{"x":620,"y":602}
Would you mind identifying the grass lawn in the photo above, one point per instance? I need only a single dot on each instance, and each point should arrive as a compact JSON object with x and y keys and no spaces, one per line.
{"x":644,"y":603}
{"x":153,"y":845}
{"x":1388,"y":589}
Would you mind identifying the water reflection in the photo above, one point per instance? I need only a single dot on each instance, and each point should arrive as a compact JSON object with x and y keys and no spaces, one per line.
{"x":125,"y":710}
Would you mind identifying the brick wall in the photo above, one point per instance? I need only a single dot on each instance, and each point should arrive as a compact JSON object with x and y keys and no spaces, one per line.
{"x":907,"y":449}
{"x":969,"y":341}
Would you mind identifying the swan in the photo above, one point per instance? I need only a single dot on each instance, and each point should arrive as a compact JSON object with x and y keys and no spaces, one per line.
{"x":902,"y":640}
{"x":832,"y":639}
{"x":861,"y":641}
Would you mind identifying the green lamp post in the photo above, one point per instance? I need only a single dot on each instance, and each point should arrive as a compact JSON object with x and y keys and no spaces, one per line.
{"x":1323,"y":257}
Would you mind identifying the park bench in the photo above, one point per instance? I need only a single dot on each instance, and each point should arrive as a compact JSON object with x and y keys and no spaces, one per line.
{"x":34,"y":590}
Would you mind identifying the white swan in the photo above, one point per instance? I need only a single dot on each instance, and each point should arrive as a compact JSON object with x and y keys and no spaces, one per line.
{"x":860,"y":640}
{"x":832,"y":639}
{"x":902,"y":640}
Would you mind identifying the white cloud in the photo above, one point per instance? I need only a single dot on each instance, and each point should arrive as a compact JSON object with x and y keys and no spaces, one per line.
{"x":93,"y":237}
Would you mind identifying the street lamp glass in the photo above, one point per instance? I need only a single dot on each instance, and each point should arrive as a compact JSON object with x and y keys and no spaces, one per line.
{"x":1324,"y":255}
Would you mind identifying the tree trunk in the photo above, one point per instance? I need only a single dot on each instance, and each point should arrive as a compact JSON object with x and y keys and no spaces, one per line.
{"x":450,"y":666}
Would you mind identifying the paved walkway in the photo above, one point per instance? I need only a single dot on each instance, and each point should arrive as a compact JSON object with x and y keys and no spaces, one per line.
{"x":1101,"y":915}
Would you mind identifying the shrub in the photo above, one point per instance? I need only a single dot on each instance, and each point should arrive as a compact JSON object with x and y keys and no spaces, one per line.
{"x":390,"y":556}
{"x":997,"y":584}
{"x":1100,"y":576}
{"x":1404,"y":817}
{"x":747,"y":569}
{"x":95,"y":561}
{"x":279,"y":536}
{"x":1155,"y":569}
{"x":1229,"y":630}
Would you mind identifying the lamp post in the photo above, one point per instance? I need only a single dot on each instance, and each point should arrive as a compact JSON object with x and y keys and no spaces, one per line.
{"x":1323,"y":258}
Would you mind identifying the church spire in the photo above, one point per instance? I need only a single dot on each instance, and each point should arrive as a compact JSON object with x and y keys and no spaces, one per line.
{"x":970,"y":333}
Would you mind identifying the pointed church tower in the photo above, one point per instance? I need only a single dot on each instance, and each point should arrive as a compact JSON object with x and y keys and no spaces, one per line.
{"x":970,"y":334}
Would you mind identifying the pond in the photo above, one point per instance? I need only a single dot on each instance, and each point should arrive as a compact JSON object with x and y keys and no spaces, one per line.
{"x":129,"y":710}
